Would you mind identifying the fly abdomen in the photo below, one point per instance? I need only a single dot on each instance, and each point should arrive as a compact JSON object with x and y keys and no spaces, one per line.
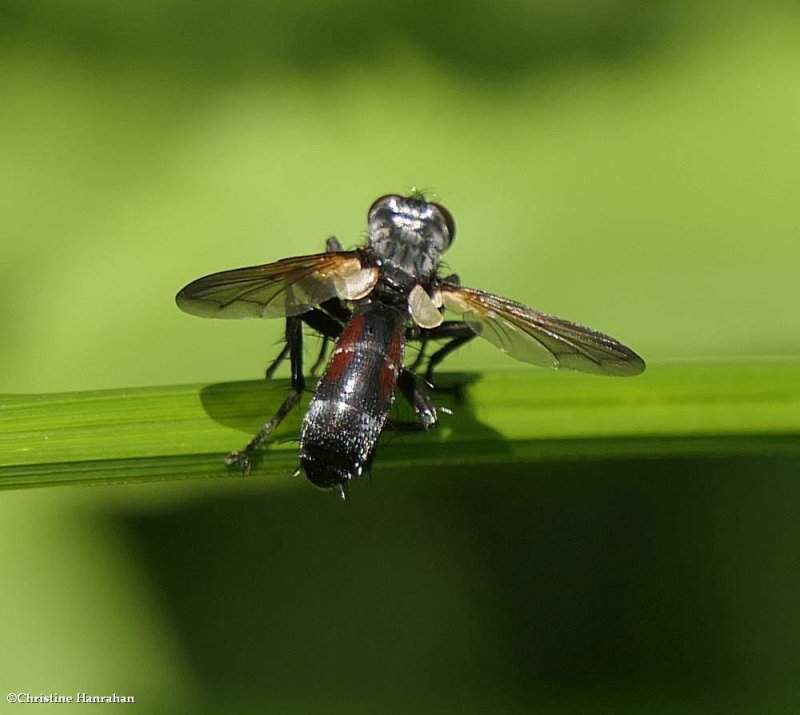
{"x":354,"y":396}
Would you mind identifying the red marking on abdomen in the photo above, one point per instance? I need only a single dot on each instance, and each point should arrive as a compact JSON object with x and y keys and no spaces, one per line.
{"x":396,"y":348}
{"x":387,"y":378}
{"x":344,"y":352}
{"x":340,"y":363}
{"x":352,"y":331}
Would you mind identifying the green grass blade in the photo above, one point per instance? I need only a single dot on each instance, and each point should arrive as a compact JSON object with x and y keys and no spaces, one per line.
{"x":523,"y":415}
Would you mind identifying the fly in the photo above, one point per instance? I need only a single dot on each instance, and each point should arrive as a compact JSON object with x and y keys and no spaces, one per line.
{"x":370,"y":302}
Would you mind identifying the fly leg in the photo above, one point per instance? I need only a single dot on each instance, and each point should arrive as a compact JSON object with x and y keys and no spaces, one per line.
{"x":459,"y":334}
{"x":276,"y":363}
{"x":423,"y":346}
{"x":328,"y":320}
{"x":323,"y":354}
{"x":294,"y":341}
{"x":332,"y":245}
{"x":329,"y":330}
{"x":318,"y":363}
{"x":456,"y":331}
{"x":413,"y":389}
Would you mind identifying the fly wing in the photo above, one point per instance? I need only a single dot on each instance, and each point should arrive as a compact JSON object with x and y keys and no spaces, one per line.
{"x":538,"y":338}
{"x":288,"y":287}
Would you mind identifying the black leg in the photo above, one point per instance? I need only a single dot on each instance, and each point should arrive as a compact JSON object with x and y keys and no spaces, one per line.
{"x":420,"y":356}
{"x":444,"y":351}
{"x":448,"y":329}
{"x":412,"y":388}
{"x":329,"y":318}
{"x":323,"y":354}
{"x":324,"y":323}
{"x":457,"y":331}
{"x":294,"y":340}
{"x":328,"y":326}
{"x":336,"y":308}
{"x":276,"y":363}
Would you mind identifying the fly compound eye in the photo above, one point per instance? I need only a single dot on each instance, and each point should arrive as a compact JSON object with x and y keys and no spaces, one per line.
{"x":382,"y":203}
{"x":448,"y":222}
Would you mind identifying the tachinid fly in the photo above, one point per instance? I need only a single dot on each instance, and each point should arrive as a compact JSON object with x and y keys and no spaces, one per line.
{"x":372,"y":301}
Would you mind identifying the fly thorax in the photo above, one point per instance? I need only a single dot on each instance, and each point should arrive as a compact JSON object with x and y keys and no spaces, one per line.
{"x":408,"y":253}
{"x":408,"y":235}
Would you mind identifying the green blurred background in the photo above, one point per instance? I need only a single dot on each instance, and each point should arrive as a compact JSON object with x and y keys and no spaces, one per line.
{"x":629,"y":165}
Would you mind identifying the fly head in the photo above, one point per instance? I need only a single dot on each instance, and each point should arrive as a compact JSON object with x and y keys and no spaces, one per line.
{"x":410,"y":234}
